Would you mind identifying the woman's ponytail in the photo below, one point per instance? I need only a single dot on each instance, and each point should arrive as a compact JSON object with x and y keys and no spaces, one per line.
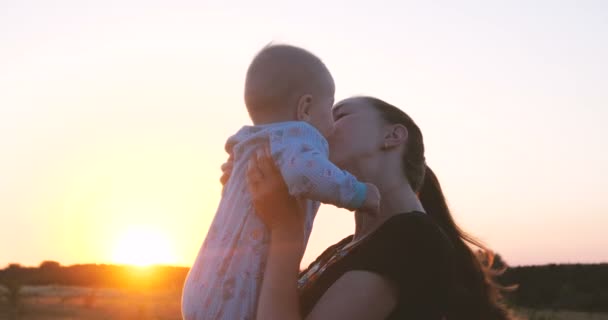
{"x":476,"y":295}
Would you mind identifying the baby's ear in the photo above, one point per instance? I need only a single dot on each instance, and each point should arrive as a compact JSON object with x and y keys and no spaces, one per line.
{"x":304,"y":106}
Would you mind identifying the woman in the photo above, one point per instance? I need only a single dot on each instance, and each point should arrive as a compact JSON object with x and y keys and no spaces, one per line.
{"x":410,"y":261}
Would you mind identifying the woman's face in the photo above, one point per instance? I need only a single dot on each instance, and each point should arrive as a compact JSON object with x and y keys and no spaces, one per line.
{"x":358,"y":133}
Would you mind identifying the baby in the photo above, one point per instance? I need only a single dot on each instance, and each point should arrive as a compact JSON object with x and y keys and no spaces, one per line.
{"x":289,"y":94}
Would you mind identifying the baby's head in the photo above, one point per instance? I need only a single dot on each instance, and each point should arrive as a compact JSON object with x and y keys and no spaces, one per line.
{"x":286,"y":83}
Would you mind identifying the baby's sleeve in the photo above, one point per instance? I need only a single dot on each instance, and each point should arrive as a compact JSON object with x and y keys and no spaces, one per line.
{"x":302,"y":155}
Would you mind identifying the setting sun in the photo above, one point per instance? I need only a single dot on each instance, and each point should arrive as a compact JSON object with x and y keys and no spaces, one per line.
{"x":143,"y":247}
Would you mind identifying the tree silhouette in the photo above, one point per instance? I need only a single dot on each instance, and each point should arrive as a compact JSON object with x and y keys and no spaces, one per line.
{"x":12,"y":280}
{"x":49,"y":265}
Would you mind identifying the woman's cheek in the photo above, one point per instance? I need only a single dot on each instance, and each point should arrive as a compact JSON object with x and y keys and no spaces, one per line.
{"x":335,"y":148}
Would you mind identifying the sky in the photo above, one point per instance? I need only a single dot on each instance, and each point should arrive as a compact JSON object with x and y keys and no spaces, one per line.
{"x":114,"y":114}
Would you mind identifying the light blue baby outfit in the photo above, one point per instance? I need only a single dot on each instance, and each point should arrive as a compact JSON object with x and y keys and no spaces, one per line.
{"x":225,"y":280}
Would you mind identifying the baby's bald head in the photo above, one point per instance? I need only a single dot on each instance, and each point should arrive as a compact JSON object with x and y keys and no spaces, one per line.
{"x":278,"y":77}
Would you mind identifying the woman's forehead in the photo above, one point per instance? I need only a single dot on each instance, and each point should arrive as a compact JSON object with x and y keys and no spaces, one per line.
{"x":348,"y":105}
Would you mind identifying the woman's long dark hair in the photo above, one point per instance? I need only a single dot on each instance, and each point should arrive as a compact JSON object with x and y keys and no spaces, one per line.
{"x":475,"y":294}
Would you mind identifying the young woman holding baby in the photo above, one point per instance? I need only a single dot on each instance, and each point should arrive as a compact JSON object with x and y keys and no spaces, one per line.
{"x":409,"y":261}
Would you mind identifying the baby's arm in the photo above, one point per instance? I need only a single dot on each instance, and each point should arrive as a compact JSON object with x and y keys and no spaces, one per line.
{"x":301,"y":154}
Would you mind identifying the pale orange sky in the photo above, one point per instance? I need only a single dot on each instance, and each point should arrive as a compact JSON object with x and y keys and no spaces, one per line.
{"x":113,"y":116}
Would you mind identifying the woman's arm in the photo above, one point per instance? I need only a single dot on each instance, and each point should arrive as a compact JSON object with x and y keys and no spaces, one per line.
{"x":356,"y":295}
{"x":279,"y":296}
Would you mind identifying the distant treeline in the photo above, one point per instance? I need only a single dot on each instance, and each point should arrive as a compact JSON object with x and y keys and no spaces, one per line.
{"x":94,"y":276}
{"x":581,"y":287}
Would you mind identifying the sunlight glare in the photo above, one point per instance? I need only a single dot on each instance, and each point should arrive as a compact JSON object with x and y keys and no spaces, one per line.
{"x":143,"y":247}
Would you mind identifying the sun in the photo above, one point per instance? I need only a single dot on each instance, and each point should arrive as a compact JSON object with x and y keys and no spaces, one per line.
{"x":142,"y":246}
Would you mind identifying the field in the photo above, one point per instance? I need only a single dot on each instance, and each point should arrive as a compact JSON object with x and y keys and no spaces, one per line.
{"x":560,"y":315}
{"x":63,"y":303}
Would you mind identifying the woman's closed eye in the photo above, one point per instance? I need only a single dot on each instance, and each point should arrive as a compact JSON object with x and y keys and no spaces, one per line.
{"x":339,"y":116}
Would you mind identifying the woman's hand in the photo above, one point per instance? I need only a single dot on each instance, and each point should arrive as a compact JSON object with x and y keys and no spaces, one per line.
{"x":270,"y":196}
{"x":226,"y":170}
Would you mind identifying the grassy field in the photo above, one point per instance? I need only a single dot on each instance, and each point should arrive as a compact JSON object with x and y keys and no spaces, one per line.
{"x":560,"y":315}
{"x":63,"y":303}
{"x":50,"y":302}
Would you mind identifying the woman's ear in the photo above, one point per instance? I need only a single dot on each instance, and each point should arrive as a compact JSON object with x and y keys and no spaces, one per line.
{"x":304,"y":106}
{"x":396,"y":135}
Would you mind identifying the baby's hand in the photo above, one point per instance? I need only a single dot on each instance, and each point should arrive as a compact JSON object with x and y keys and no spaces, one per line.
{"x":371,"y":204}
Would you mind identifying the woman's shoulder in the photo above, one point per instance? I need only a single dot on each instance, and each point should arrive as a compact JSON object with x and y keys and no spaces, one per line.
{"x":413,"y":252}
{"x":410,"y":227}
{"x":406,"y":244}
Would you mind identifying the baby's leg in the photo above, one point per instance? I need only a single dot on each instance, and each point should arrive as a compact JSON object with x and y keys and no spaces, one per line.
{"x":243,"y":277}
{"x":228,"y":272}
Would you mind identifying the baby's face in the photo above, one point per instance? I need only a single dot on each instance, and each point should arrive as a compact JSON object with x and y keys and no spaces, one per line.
{"x":320,"y":114}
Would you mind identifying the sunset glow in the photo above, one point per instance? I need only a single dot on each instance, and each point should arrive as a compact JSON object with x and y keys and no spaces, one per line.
{"x":114,"y":115}
{"x":144,"y":247}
